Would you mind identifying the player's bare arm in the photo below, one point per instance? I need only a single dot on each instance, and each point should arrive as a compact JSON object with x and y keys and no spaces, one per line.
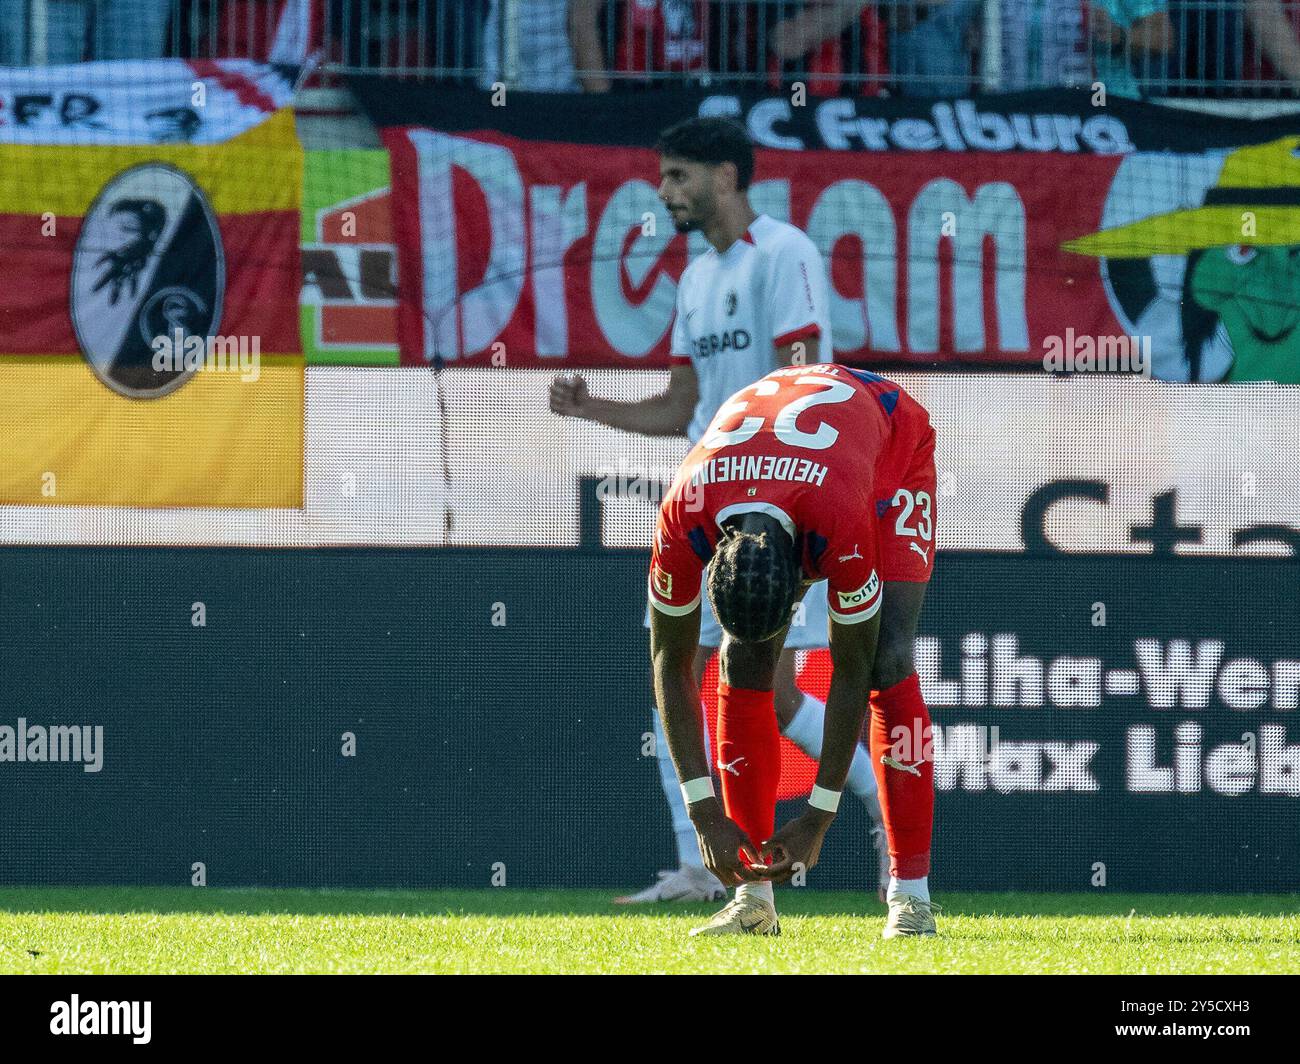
{"x":673,"y":642}
{"x":584,"y":39}
{"x":665,"y":414}
{"x":853,"y":653}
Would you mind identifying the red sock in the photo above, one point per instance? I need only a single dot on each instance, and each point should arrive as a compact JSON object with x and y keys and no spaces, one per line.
{"x":900,"y":728}
{"x":749,"y":759}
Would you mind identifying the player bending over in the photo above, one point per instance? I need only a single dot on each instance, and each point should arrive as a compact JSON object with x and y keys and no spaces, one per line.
{"x":756,"y":300}
{"x":814,"y":472}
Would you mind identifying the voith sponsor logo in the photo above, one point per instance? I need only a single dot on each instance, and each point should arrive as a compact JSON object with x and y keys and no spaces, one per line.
{"x":851,"y":599}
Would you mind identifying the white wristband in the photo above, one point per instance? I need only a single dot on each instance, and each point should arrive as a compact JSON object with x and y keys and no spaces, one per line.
{"x":697,"y":789}
{"x":821,"y":798}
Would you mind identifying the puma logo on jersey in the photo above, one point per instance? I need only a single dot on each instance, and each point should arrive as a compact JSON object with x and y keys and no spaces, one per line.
{"x":850,"y":557}
{"x":730,"y":766}
{"x":923,"y":552}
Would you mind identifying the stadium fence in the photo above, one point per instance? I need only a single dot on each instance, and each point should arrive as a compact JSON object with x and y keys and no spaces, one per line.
{"x":1212,"y":48}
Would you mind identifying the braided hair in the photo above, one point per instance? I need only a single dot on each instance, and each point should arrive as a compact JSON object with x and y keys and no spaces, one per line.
{"x":753,"y":583}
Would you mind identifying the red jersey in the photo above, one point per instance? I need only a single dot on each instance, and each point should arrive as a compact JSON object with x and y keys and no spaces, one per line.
{"x":656,"y":36}
{"x":823,"y":67}
{"x":825,"y":449}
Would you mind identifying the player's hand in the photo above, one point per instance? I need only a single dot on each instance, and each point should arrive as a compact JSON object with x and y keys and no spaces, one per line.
{"x":569,"y":396}
{"x":796,"y":846}
{"x":727,"y":851}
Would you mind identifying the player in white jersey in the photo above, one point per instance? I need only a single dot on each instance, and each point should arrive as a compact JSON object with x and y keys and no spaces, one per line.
{"x":756,"y":300}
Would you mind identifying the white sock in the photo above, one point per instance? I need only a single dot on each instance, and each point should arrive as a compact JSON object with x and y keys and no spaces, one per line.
{"x":688,"y":844}
{"x":805,"y":731}
{"x":756,"y":890}
{"x":918,"y":888}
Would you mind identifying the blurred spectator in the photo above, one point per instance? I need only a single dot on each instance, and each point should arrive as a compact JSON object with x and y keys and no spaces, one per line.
{"x":545,"y":58}
{"x":832,"y":45}
{"x":388,"y":34}
{"x":457,"y":37}
{"x":1131,"y":39}
{"x":650,"y":37}
{"x":123,"y":29}
{"x":13,"y":32}
{"x":281,"y":31}
{"x":1205,"y":54}
{"x":585,"y":44}
{"x":1044,"y":45}
{"x":1226,"y":47}
{"x":931,"y":46}
{"x":77,"y":30}
{"x":1273,"y":48}
{"x":1134,"y":47}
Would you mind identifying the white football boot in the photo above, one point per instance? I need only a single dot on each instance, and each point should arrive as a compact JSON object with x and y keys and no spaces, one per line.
{"x":910,"y":917}
{"x":683,"y":884}
{"x":742,"y":916}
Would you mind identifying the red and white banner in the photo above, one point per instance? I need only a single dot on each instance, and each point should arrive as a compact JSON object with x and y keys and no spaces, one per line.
{"x":546,"y":253}
{"x":144,"y":101}
{"x":1035,"y":231}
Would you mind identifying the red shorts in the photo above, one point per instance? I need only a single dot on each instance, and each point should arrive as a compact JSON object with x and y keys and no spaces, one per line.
{"x":905,"y":502}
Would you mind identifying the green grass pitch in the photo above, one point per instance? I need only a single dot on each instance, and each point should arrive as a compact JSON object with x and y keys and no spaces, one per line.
{"x":161,"y":929}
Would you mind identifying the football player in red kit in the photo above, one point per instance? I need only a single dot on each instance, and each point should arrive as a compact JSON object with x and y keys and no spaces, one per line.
{"x":810,"y":473}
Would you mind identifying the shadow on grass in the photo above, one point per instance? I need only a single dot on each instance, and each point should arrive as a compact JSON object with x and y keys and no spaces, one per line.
{"x":507,"y":902}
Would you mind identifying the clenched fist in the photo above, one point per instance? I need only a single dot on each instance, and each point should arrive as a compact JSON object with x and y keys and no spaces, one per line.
{"x":569,"y":396}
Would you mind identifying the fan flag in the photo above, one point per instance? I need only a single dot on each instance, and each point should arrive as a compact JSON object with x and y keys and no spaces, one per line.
{"x":149,"y":345}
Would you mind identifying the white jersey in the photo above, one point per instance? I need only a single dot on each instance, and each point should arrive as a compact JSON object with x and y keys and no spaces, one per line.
{"x":736,"y":307}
